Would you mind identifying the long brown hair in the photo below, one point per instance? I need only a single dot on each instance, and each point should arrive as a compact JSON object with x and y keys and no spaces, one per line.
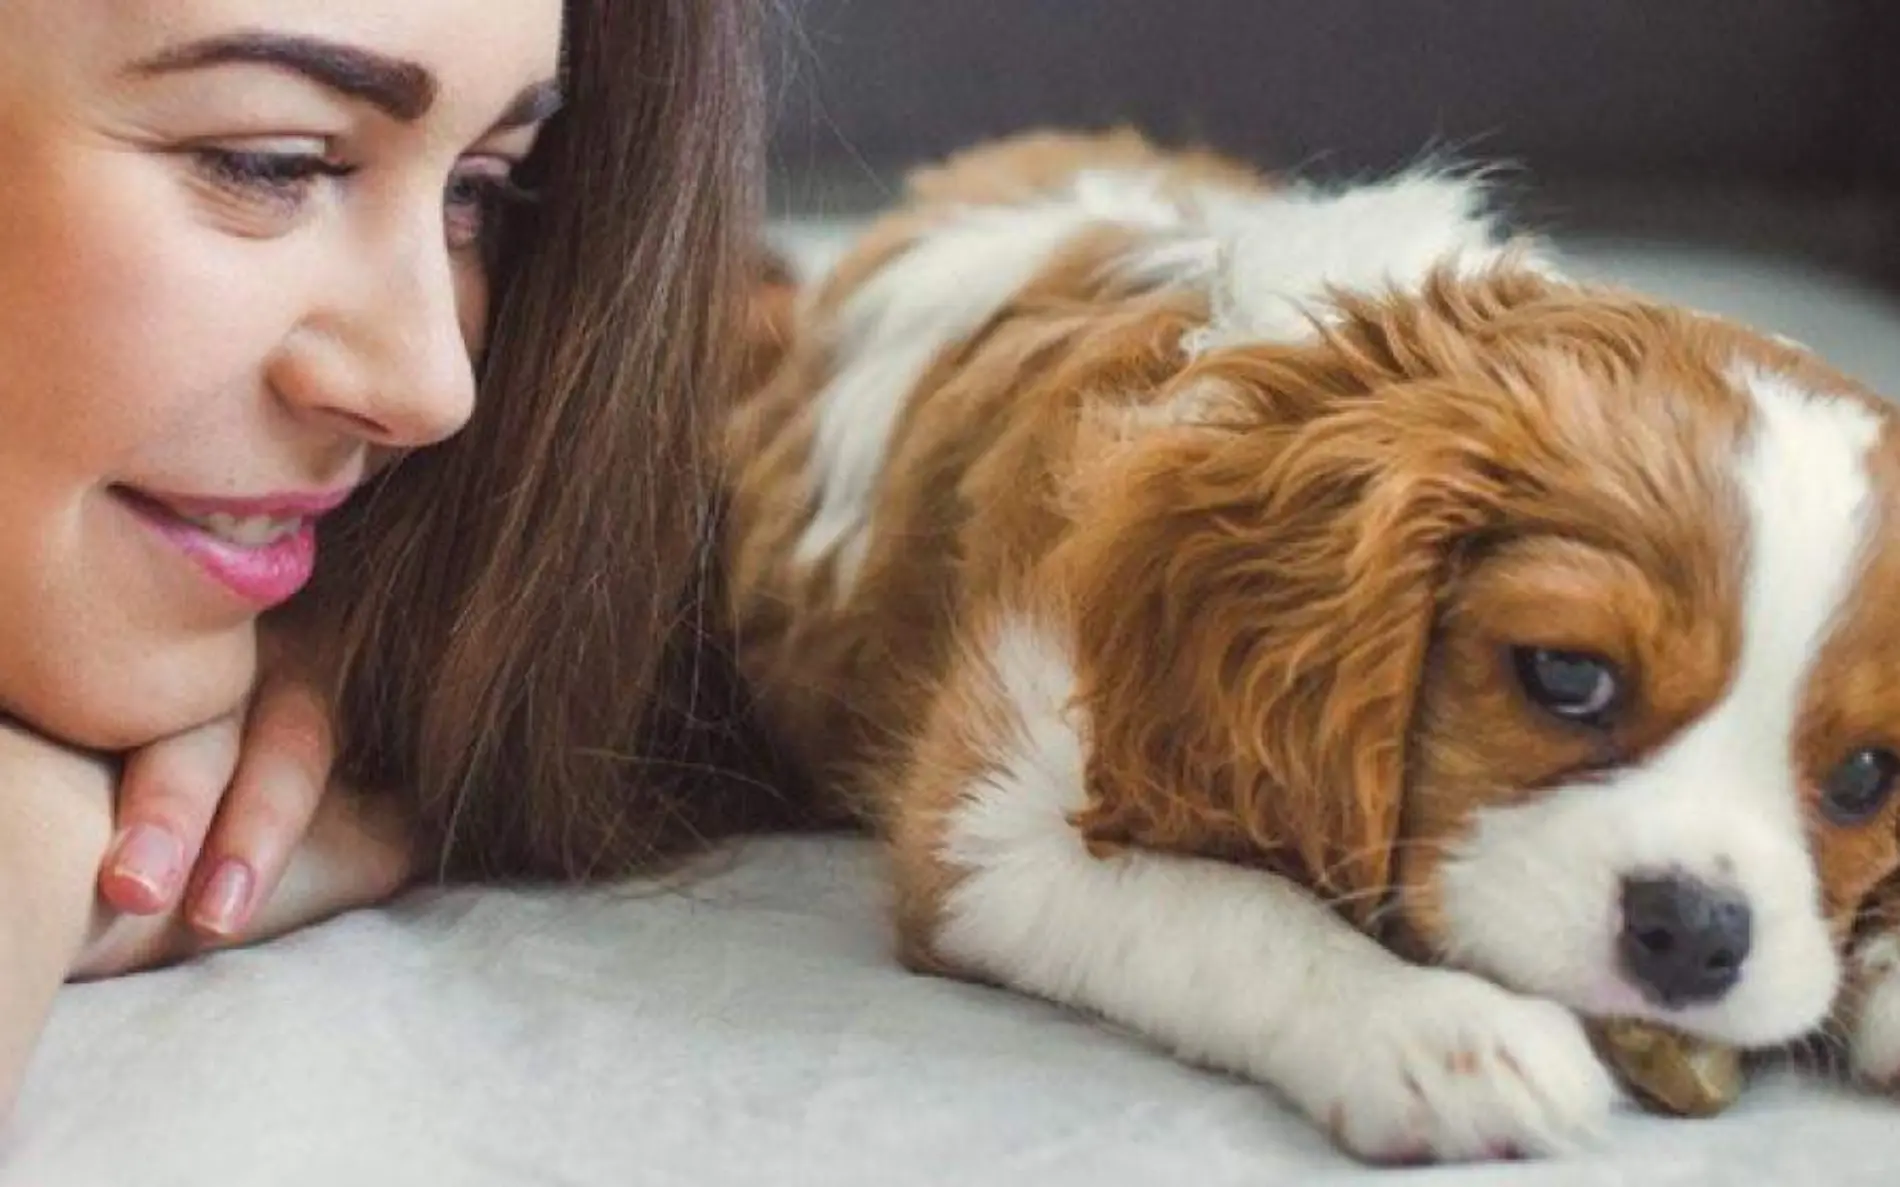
{"x":532,"y":653}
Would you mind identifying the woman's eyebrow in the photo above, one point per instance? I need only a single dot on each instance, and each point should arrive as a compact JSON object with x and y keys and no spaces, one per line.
{"x":400,"y":89}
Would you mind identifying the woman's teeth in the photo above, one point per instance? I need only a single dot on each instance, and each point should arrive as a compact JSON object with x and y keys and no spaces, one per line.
{"x":249,"y":531}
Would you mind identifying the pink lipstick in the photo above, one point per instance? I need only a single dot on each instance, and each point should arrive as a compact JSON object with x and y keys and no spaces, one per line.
{"x":263,"y":550}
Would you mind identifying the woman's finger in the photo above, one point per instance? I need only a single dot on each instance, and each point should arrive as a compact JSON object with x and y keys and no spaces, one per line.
{"x":356,"y":852}
{"x":282,"y":771}
{"x":168,"y":796}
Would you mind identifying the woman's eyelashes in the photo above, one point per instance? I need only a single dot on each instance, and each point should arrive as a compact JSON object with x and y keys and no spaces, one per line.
{"x":477,"y":202}
{"x":283,"y":180}
{"x":281,"y":183}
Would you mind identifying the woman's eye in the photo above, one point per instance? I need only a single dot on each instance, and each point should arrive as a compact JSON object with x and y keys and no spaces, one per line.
{"x":274,"y":176}
{"x":1571,"y":685}
{"x":475,"y":205}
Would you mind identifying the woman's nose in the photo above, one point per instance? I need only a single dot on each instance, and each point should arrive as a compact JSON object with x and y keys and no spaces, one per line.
{"x":384,"y":354}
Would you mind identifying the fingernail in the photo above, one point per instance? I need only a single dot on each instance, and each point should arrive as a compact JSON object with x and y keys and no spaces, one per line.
{"x":226,"y":899}
{"x":151,"y":857}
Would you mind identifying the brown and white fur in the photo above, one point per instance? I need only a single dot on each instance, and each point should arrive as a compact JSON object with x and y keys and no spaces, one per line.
{"x":1150,"y":551}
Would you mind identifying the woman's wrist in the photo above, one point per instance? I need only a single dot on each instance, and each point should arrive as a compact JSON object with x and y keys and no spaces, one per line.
{"x":56,"y":808}
{"x":55,"y":824}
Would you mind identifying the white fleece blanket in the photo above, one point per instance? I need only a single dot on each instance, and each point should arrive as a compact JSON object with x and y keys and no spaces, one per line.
{"x":754,"y":1030}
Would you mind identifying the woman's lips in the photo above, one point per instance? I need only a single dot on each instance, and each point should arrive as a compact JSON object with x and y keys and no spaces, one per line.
{"x":263,"y":550}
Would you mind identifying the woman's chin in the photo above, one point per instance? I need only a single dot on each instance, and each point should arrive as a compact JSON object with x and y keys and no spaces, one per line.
{"x":116,"y":706}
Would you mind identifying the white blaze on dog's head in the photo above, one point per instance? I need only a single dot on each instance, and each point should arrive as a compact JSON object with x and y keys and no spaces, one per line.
{"x":1683,"y":881}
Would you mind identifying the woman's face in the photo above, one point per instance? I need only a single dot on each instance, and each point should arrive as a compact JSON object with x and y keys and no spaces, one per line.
{"x":240,"y":267}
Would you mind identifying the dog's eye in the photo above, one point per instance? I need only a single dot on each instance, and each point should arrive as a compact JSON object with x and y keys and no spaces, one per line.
{"x":1573,"y":685}
{"x":1860,"y":786}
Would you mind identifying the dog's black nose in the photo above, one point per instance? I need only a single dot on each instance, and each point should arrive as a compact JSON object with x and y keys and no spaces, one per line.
{"x":1683,"y":940}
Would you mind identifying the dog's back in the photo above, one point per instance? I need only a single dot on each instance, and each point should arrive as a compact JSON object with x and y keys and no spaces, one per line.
{"x":956,"y":371}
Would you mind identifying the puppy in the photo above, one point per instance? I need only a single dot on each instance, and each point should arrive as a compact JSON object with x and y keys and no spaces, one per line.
{"x":1300,"y":627}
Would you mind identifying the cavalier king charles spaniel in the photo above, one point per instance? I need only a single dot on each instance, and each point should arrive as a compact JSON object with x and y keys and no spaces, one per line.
{"x":1300,"y":626}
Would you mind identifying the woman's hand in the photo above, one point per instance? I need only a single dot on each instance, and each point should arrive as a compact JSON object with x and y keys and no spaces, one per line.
{"x":235,"y":831}
{"x":356,"y":851}
{"x":207,"y":819}
{"x":277,"y":844}
{"x":56,"y":819}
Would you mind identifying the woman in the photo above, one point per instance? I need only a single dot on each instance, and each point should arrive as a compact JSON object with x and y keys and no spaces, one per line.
{"x":254,"y":255}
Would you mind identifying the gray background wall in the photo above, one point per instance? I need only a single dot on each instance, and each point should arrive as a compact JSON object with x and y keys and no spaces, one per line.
{"x":1762,"y":123}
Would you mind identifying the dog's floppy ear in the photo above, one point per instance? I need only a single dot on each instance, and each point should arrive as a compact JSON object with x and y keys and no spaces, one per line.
{"x":1255,"y":602}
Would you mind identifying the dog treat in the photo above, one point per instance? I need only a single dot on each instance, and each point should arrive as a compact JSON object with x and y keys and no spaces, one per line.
{"x":1673,"y":1072}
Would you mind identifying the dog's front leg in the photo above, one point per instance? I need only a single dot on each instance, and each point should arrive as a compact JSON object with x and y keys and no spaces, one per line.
{"x":1871,"y":1003}
{"x":1222,"y":965}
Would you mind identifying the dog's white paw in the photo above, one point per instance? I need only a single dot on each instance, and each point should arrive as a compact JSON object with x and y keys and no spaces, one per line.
{"x":1874,"y":1044}
{"x":1445,"y":1066}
